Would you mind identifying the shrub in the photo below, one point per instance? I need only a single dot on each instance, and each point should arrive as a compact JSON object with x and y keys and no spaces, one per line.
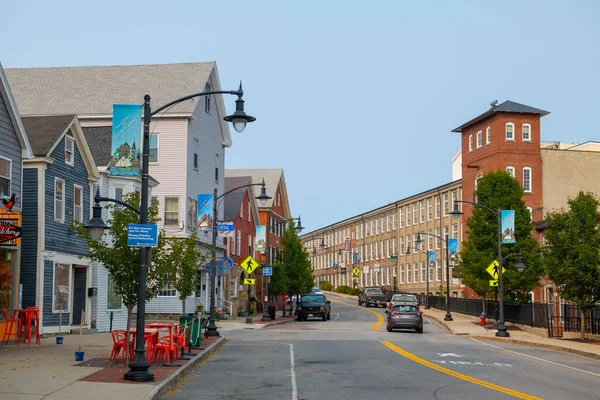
{"x":344,"y":289}
{"x":324,"y":285}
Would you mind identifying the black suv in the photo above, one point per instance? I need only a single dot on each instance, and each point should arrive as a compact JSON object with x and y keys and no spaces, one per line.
{"x":314,"y":306}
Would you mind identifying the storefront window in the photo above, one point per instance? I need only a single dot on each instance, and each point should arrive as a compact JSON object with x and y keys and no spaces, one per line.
{"x":6,"y":279}
{"x":61,"y":286}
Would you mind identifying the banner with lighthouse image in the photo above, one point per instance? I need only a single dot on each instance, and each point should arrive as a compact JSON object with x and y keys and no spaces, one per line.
{"x":126,"y":152}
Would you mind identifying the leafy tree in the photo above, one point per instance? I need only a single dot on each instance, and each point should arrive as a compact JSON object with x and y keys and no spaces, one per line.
{"x":499,"y":189}
{"x":122,"y":261}
{"x":572,"y":257}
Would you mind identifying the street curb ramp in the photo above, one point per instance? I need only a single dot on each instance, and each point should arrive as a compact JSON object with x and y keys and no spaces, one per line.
{"x":175,"y":378}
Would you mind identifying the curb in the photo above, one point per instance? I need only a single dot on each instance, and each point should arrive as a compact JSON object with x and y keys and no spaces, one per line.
{"x":440,"y":321}
{"x":172,"y":380}
{"x":282,"y":322}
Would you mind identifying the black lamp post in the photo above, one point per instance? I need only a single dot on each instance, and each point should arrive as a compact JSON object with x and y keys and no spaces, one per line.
{"x":427,"y":278}
{"x":139,"y":365}
{"x":448,"y":316}
{"x":456,"y":213}
{"x":211,"y":329}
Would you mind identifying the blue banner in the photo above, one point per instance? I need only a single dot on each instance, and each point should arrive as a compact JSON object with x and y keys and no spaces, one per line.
{"x":205,"y":213}
{"x":126,"y":154}
{"x":453,"y":249}
{"x":224,"y":265}
{"x":508,"y":226}
{"x":431,"y":259}
{"x":260,"y":240}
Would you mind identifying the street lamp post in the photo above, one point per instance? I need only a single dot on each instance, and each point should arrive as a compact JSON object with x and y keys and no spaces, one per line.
{"x":456,"y":213}
{"x":448,"y":316}
{"x":139,"y":365}
{"x":211,"y":329}
{"x":427,"y":278}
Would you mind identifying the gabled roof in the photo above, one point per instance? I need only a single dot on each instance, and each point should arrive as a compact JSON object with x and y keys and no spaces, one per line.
{"x":46,"y":132}
{"x":508,"y":107}
{"x":13,"y":113}
{"x":273,"y":179}
{"x":99,"y":139}
{"x":233,"y":200}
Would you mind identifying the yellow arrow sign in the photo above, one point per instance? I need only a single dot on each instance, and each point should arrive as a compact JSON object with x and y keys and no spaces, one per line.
{"x":249,"y":264}
{"x":355,"y":279}
{"x":492,"y":269}
{"x":494,"y":283}
{"x":356,"y":271}
{"x":249,"y":281}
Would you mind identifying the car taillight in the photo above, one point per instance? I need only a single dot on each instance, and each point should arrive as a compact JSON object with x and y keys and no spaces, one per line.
{"x":390,"y":305}
{"x":299,"y":309}
{"x":392,"y":312}
{"x":418,"y":313}
{"x":368,"y":297}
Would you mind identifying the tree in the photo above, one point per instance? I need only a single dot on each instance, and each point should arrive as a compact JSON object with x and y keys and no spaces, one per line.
{"x":121,"y":261}
{"x":572,"y":257}
{"x":499,"y":189}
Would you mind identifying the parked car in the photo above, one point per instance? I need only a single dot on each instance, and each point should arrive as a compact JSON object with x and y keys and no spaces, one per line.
{"x":316,"y":290}
{"x":314,"y":306}
{"x":404,"y":298}
{"x":372,"y":296}
{"x":404,"y":316}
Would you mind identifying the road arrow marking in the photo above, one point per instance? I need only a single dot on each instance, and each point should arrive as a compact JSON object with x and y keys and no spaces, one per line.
{"x":450,"y":355}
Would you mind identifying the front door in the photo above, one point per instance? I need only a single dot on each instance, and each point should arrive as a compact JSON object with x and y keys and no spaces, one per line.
{"x":79,"y":293}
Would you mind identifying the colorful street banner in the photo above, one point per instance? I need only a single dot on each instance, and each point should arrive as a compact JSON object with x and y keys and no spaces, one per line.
{"x":355,"y":258}
{"x":224,"y":265}
{"x":205,"y":212}
{"x":347,"y":245}
{"x":453,"y":249}
{"x":508,"y":226}
{"x":431,"y":259}
{"x":260,"y":241}
{"x":126,"y":157}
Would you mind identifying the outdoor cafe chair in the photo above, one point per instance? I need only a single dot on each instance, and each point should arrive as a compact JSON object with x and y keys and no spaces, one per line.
{"x":118,"y":337}
{"x":163,"y":347}
{"x":8,"y":330}
{"x":32,"y":314}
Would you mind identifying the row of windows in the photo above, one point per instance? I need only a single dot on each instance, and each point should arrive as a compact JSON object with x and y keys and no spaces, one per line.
{"x":60,"y":193}
{"x":509,"y":134}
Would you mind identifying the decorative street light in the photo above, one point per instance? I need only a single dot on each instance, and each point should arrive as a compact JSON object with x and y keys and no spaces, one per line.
{"x":139,"y":365}
{"x":456,"y":213}
{"x":448,"y":316}
{"x":211,"y":329}
{"x":427,"y":280}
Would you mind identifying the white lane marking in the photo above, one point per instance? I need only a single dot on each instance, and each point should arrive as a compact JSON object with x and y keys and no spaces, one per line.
{"x":450,"y":355}
{"x":472,"y":363}
{"x":336,"y":316}
{"x":293,"y":373}
{"x":537,"y":358}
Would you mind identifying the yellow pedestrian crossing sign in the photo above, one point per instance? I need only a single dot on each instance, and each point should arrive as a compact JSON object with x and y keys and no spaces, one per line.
{"x":494,"y":283}
{"x":249,"y":281}
{"x":249,"y":264}
{"x":356,"y":271}
{"x":492,"y":269}
{"x":355,"y":279}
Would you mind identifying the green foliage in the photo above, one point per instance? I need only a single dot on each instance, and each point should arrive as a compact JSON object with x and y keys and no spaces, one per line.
{"x":346,"y":290}
{"x":572,"y":257}
{"x":324,"y":285}
{"x":497,"y":189}
{"x":295,"y":269}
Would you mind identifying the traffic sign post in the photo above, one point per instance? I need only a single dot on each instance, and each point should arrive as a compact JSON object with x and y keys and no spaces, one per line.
{"x":494,"y":283}
{"x":356,"y":271}
{"x":492,"y":269}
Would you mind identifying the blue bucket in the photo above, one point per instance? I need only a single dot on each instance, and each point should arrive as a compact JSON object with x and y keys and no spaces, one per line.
{"x":79,"y":356}
{"x":59,"y":340}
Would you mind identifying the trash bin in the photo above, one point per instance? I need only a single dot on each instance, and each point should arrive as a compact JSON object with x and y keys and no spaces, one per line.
{"x":271,"y":310}
{"x":194,"y":329}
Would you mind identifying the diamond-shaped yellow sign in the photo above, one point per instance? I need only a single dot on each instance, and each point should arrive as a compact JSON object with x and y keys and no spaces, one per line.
{"x":356,"y":271}
{"x":492,"y":269}
{"x":249,"y":264}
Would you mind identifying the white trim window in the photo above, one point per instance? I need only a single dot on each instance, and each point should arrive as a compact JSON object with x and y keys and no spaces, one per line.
{"x":408,"y":273}
{"x":168,"y":288}
{"x":238,"y":242}
{"x":69,"y":150}
{"x":422,"y":271}
{"x":527,"y":179}
{"x":59,"y":200}
{"x":446,"y":204}
{"x":526,"y":132}
{"x":402,"y":273}
{"x":171,"y":211}
{"x":77,"y":203}
{"x":470,"y":143}
{"x":438,"y":207}
{"x":394,"y":222}
{"x":192,"y":213}
{"x":530,"y":213}
{"x":422,"y":210}
{"x":510,"y":131}
{"x":401,"y":245}
{"x":438,"y":270}
{"x":5,"y":176}
{"x":415,"y":214}
{"x":416,"y":272}
{"x":479,"y":139}
{"x":114,"y":301}
{"x":61,"y":284}
{"x":429,"y":209}
{"x":408,"y":215}
{"x":510,"y":170}
{"x":401,"y":213}
{"x":153,"y":156}
{"x":488,"y":136}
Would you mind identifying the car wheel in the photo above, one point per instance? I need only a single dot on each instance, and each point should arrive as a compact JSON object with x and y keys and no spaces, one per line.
{"x":420,"y":330}
{"x":304,"y":318}
{"x":328,"y":315}
{"x":359,"y":303}
{"x":367,"y":304}
{"x":387,"y":328}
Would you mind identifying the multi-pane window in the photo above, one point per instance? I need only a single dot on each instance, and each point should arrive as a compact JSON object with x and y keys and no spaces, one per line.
{"x":171,"y":210}
{"x":446,"y":234}
{"x":238,"y":242}
{"x":153,"y":153}
{"x":113,"y":300}
{"x":192,"y":213}
{"x":69,"y":150}
{"x":401,"y":213}
{"x":387,"y":223}
{"x":511,"y":171}
{"x":429,"y":209}
{"x":401,"y":273}
{"x":446,"y":204}
{"x":526,"y":132}
{"x":401,"y":244}
{"x":488,"y":135}
{"x":408,"y":273}
{"x":527,"y":179}
{"x":217,"y":168}
{"x":479,"y":139}
{"x":422,"y":210}
{"x":438,"y":270}
{"x":377,"y":226}
{"x":437,"y":240}
{"x":394,"y":246}
{"x":470,"y":143}
{"x":422,"y":272}
{"x":394,"y":223}
{"x":59,"y":200}
{"x":416,"y":272}
{"x":430,"y":271}
{"x":429,"y":240}
{"x":195,"y":153}
{"x":168,"y":289}
{"x":408,"y":215}
{"x":5,"y":175}
{"x":455,"y":231}
{"x":437,"y":207}
{"x":415,"y":214}
{"x":408,"y":242}
{"x":510,"y":131}
{"x":377,"y":251}
{"x":77,"y":203}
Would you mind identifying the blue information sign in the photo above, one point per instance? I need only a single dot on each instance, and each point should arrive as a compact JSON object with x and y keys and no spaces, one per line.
{"x":267,"y":271}
{"x":225,"y":226}
{"x":142,"y":235}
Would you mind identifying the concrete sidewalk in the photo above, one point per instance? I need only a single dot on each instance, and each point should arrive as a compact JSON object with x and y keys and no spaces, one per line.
{"x":469,"y":325}
{"x":49,"y":371}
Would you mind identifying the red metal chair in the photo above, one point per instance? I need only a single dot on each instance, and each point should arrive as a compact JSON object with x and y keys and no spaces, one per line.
{"x":10,"y":324}
{"x":163,"y":347}
{"x":32,"y":314}
{"x":118,"y":337}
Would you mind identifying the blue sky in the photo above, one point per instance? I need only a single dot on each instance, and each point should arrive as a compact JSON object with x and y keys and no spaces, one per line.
{"x":354,"y":100}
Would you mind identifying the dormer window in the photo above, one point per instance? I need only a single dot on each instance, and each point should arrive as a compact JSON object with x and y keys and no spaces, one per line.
{"x":488,"y":136}
{"x":470,"y":143}
{"x":207,"y":88}
{"x":69,"y":150}
{"x":479,"y":139}
{"x":510,"y":131}
{"x":526,"y":128}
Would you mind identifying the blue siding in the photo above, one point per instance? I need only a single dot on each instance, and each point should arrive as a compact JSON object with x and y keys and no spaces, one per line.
{"x":11,"y":149}
{"x":49,"y":318}
{"x":29,"y":239}
{"x":59,"y":236}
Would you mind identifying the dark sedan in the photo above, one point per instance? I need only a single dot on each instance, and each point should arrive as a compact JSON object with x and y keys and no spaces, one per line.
{"x":314,"y":306}
{"x":404,"y":316}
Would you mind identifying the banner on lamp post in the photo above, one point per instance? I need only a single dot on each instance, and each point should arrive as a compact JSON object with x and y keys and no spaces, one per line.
{"x":453,"y":249}
{"x":126,"y":154}
{"x":205,"y":213}
{"x":508,"y":226}
{"x":260,"y":241}
{"x":431,"y":259}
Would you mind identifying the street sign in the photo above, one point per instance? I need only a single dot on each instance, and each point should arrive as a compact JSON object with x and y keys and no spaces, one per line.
{"x":267,"y":271}
{"x":494,"y":283}
{"x":249,"y":281}
{"x":355,"y":279}
{"x":394,"y":257}
{"x":225,"y":226}
{"x":492,"y":269}
{"x":142,"y":235}
{"x":356,"y":271}
{"x":249,"y":264}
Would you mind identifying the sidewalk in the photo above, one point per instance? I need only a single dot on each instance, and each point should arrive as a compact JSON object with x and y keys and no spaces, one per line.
{"x":470,"y":326}
{"x":49,"y":371}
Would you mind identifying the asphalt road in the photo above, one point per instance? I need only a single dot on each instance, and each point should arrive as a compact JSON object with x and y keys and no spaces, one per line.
{"x":353,"y":357}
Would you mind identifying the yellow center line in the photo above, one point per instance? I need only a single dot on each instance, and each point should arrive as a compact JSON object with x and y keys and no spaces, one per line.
{"x":458,"y":375}
{"x":380,"y":319}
